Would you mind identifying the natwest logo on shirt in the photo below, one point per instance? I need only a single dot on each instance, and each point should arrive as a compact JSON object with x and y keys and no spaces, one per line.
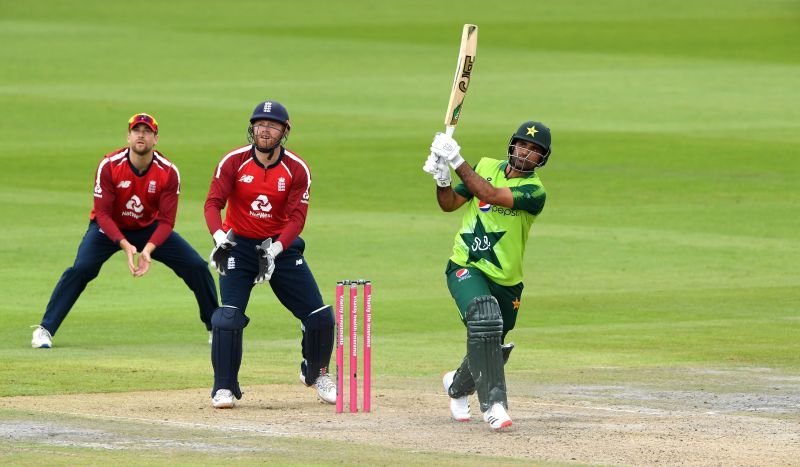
{"x":261,"y":207}
{"x":134,"y":206}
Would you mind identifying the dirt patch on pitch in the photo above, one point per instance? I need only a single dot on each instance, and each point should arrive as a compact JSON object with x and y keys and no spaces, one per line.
{"x":615,"y":424}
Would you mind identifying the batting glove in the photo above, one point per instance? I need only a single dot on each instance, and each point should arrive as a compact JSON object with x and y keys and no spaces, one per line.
{"x":437,"y":167}
{"x":443,"y":177}
{"x":448,"y":148}
{"x":267,"y":252}
{"x":430,"y":166}
{"x":223,"y":245}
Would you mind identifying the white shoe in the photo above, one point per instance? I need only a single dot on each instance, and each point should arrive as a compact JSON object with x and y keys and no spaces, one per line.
{"x":326,"y":388}
{"x":459,"y":408}
{"x":210,"y":337}
{"x":41,"y":338}
{"x":223,"y":399}
{"x":497,"y":417}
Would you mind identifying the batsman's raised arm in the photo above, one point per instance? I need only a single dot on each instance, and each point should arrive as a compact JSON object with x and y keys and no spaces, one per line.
{"x":447,"y":149}
{"x":448,"y":199}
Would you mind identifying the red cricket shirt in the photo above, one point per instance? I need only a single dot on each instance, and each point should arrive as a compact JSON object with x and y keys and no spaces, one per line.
{"x":262,"y":201}
{"x":125,"y":199}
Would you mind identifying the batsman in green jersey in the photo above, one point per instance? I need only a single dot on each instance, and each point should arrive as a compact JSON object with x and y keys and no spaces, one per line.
{"x":484,"y":273}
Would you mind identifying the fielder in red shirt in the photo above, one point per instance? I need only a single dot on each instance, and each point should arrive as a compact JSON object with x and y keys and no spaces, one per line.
{"x":135,"y":200}
{"x":266,"y":188}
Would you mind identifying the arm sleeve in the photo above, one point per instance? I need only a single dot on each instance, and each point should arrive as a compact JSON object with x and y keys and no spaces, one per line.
{"x":167,"y":208}
{"x":218,"y":193}
{"x":462,"y":190}
{"x":104,"y":196}
{"x":529,"y":198}
{"x":296,"y":208}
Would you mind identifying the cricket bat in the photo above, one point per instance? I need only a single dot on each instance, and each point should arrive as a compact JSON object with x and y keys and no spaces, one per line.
{"x":466,"y":59}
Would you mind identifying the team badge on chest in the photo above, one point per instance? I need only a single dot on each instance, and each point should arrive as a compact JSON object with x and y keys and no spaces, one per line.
{"x":281,"y":184}
{"x":151,"y":187}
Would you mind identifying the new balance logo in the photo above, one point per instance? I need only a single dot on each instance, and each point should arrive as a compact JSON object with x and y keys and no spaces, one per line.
{"x":246,"y":179}
{"x":124,"y":184}
{"x":298,"y":262}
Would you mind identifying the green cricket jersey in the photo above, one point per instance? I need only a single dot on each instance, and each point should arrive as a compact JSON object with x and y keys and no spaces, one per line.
{"x":493,"y":238}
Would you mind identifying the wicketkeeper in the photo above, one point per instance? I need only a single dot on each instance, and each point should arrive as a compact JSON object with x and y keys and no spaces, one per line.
{"x":266,"y":188}
{"x":484,"y":274}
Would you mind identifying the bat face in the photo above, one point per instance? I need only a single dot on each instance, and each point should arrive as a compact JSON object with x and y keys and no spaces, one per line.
{"x":466,"y":59}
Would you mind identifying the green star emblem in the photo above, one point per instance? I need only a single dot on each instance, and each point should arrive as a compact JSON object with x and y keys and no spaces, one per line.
{"x":480,"y":244}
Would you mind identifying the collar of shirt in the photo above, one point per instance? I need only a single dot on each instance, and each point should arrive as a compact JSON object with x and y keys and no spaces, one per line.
{"x":258,"y":162}
{"x":133,"y":167}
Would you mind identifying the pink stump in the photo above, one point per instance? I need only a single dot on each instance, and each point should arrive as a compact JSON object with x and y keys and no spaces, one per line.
{"x":353,"y":347}
{"x":339,"y":347}
{"x":367,"y":346}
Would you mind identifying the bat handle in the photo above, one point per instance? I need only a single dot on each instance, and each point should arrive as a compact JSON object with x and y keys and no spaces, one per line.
{"x":449,"y":130}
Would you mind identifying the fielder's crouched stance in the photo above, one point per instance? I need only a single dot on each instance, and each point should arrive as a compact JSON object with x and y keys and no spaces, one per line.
{"x":484,"y":273}
{"x":135,"y":201}
{"x":266,"y":188}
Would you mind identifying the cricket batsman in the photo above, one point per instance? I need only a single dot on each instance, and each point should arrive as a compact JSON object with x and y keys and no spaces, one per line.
{"x":484,"y":273}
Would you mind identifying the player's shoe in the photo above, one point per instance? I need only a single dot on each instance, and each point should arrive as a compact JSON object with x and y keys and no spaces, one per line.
{"x":223,"y":399}
{"x":326,"y":388}
{"x":210,"y":337}
{"x":497,"y":417}
{"x":459,"y":407}
{"x":41,"y":338}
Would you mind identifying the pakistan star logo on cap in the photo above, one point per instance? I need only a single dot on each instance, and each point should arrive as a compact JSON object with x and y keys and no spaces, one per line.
{"x":532,"y":131}
{"x":480,"y":244}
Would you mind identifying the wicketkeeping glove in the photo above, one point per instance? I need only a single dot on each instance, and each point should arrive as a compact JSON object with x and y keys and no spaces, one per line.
{"x":448,"y":148}
{"x":267,"y":252}
{"x":223,"y":245}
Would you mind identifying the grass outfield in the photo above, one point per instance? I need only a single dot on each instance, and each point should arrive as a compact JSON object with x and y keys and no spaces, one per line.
{"x":669,"y":239}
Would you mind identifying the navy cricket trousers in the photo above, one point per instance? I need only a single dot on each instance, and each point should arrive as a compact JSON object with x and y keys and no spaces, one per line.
{"x":96,"y":248}
{"x":292,"y":281}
